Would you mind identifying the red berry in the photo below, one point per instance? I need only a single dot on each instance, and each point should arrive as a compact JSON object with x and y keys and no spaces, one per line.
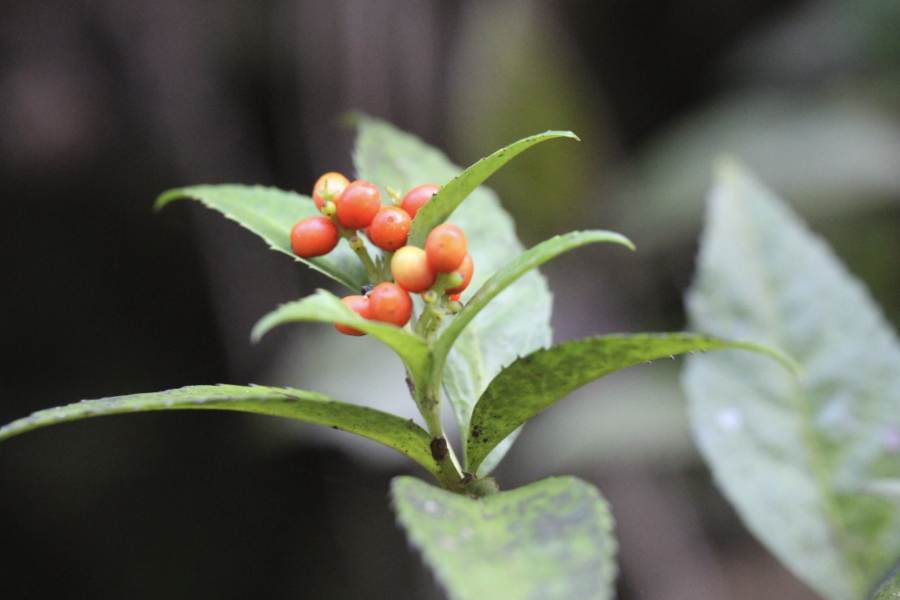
{"x":410,"y":269}
{"x":328,"y":187}
{"x":446,"y":247}
{"x":466,"y":269}
{"x":358,"y":204}
{"x":389,"y":228}
{"x":360,"y":305}
{"x":314,"y":236}
{"x":390,"y":303}
{"x":417,"y":197}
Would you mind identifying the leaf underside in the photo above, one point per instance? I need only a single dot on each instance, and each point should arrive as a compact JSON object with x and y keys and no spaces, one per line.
{"x":551,"y":539}
{"x":394,"y":432}
{"x":801,"y":461}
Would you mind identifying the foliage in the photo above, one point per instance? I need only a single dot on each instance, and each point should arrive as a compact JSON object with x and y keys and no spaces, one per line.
{"x":811,"y":464}
{"x":805,"y":451}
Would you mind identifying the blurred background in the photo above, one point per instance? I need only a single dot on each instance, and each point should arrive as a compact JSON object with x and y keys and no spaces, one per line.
{"x":106,"y":103}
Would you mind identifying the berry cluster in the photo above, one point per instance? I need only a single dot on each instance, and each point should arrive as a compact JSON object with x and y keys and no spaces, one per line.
{"x":440,"y":271}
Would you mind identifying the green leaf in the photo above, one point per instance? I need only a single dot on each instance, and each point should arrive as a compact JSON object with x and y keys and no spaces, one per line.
{"x":402,"y":435}
{"x":467,"y":344}
{"x":525,"y":262}
{"x":393,"y":157}
{"x":458,"y":189}
{"x":798,"y":459}
{"x":535,"y":382}
{"x":551,"y":540}
{"x":271,"y":213}
{"x":325,"y":307}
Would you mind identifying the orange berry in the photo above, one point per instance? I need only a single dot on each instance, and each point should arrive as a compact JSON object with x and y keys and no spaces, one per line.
{"x":389,"y":228}
{"x":446,"y":247}
{"x":390,"y":303}
{"x":358,"y":204}
{"x":328,"y":187}
{"x":360,"y":305}
{"x":417,"y":197}
{"x":314,"y":236}
{"x":410,"y":269}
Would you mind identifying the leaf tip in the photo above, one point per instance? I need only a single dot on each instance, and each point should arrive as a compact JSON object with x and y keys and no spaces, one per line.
{"x":166,"y":197}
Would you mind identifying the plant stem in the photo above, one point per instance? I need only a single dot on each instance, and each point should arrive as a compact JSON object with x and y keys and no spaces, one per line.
{"x":356,"y":244}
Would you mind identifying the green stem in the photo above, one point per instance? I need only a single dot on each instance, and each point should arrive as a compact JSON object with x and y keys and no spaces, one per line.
{"x":356,"y":244}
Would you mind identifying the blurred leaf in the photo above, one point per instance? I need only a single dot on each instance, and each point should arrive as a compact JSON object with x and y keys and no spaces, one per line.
{"x":550,"y":540}
{"x":535,"y":382}
{"x":392,"y":157}
{"x":796,"y":459}
{"x":394,"y":432}
{"x":890,"y":588}
{"x":519,"y":56}
{"x":271,"y":213}
{"x":831,"y":157}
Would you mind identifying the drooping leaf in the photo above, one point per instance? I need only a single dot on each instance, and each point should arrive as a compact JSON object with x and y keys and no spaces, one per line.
{"x":271,"y":213}
{"x":797,"y":459}
{"x":535,"y":382}
{"x":402,"y":435}
{"x":551,"y":539}
{"x":325,"y":307}
{"x":393,"y":157}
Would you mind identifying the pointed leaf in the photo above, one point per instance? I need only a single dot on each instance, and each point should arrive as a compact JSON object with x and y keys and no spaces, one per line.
{"x":458,"y":189}
{"x":271,"y":213}
{"x":394,"y":432}
{"x":551,"y":540}
{"x":525,"y":262}
{"x":797,"y":459}
{"x":392,"y":157}
{"x":461,"y":342}
{"x":325,"y":307}
{"x":535,"y":382}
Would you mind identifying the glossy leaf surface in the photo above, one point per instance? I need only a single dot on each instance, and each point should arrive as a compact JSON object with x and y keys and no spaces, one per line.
{"x":551,"y":539}
{"x":801,"y":460}
{"x":400,"y":434}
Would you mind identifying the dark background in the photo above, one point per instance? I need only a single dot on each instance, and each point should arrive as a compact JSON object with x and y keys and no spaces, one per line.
{"x":106,"y":103}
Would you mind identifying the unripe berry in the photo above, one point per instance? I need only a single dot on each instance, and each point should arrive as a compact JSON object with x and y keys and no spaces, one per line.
{"x":360,"y":305}
{"x":390,"y":303}
{"x":314,"y":236}
{"x":389,"y":228}
{"x":410,"y":269}
{"x":328,"y":187}
{"x":358,"y":204}
{"x":466,"y":269}
{"x":446,"y":247}
{"x":417,"y":197}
